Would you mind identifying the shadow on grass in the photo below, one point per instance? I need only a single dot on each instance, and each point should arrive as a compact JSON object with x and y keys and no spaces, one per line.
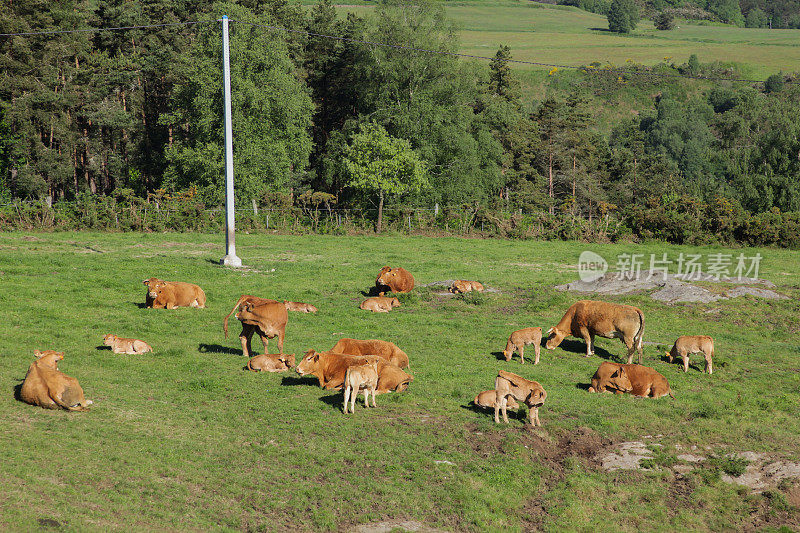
{"x":103,"y":347}
{"x":601,"y":29}
{"x":517,"y":414}
{"x":582,"y":386}
{"x":18,"y":390}
{"x":216,"y":348}
{"x":579,"y":347}
{"x":499,"y":356}
{"x":141,"y":305}
{"x":304,"y":380}
{"x":375,"y":291}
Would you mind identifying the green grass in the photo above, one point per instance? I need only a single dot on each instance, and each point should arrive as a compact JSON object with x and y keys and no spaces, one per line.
{"x":184,"y":438}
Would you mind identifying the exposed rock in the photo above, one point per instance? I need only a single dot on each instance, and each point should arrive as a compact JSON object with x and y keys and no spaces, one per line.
{"x":627,"y":456}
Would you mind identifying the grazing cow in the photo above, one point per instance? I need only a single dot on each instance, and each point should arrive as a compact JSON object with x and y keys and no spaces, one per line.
{"x":271,"y":362}
{"x":329,"y":368}
{"x":394,"y":279}
{"x":488,"y":399}
{"x":519,"y":339}
{"x":636,"y":379}
{"x":360,"y":377}
{"x":528,"y":392}
{"x":300,"y":307}
{"x":128,"y":346}
{"x":587,"y":318}
{"x":379,"y":304}
{"x":266,"y":317}
{"x":689,"y":344}
{"x":384,"y":349}
{"x":172,"y":294}
{"x":462,"y":286}
{"x":47,"y":387}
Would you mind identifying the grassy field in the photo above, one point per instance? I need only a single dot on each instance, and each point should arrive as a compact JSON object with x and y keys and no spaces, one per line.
{"x":184,"y":438}
{"x":566,"y":35}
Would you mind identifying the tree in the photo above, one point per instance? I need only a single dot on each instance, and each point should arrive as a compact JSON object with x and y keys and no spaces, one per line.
{"x":623,"y":15}
{"x":728,"y":11}
{"x":774,"y":83}
{"x":382,"y":164}
{"x":693,"y":66}
{"x":756,"y":18}
{"x":664,"y":21}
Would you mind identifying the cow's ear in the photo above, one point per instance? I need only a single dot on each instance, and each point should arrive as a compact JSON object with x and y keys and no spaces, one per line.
{"x":37,"y":354}
{"x":550,"y":331}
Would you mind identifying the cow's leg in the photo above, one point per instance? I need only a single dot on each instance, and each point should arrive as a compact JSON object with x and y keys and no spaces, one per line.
{"x":264,"y":339}
{"x":504,"y":407}
{"x":631,"y":344}
{"x":589,"y":339}
{"x":346,"y":398}
{"x":497,"y":401}
{"x":245,"y":336}
{"x":709,"y":365}
{"x":522,"y":353}
{"x":280,"y":340}
{"x":366,"y":397}
{"x":537,"y":347}
{"x":533,"y":415}
{"x":373,"y":398}
{"x":685,"y":356}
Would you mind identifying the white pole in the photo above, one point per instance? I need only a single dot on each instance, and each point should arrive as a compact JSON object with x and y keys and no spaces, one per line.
{"x":230,"y":258}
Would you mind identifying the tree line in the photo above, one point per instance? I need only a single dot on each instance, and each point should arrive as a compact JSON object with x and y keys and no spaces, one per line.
{"x":138,"y":112}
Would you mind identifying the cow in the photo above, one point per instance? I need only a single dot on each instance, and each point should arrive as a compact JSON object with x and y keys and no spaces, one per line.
{"x":173,"y":294}
{"x":689,"y":344}
{"x":461,"y":286}
{"x":634,"y":379}
{"x":48,"y":387}
{"x":587,"y":318}
{"x":519,"y":339}
{"x":329,"y":369}
{"x":300,"y":307}
{"x":394,"y":279}
{"x":384,"y":349}
{"x":271,"y":362}
{"x":379,"y":304}
{"x":127,"y":346}
{"x":488,"y":399}
{"x":528,"y":392}
{"x":360,"y":377}
{"x":266,"y":317}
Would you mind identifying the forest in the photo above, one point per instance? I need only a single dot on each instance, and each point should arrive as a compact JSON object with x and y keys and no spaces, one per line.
{"x":323,"y":112}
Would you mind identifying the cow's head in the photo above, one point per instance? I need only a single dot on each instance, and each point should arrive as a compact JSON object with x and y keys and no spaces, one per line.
{"x":153,"y":284}
{"x":536,"y":398}
{"x":288,"y":360}
{"x":246,"y":311}
{"x":308,"y":364}
{"x":394,"y":302}
{"x":620,"y":381}
{"x":385,"y":276}
{"x":48,"y":358}
{"x":554,"y":338}
{"x":109,"y":339}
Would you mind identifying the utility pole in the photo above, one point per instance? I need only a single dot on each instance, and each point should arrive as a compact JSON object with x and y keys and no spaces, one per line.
{"x":230,"y":258}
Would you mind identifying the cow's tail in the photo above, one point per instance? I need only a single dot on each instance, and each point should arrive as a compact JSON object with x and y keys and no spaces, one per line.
{"x":225,"y":320}
{"x":637,"y":340}
{"x":248,"y":365}
{"x":669,"y":391}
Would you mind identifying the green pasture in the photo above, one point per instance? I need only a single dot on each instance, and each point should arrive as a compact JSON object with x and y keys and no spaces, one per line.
{"x":569,"y":36}
{"x":184,"y":438}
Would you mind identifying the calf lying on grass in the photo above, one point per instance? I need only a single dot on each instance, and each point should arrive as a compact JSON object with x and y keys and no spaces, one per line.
{"x":300,"y":307}
{"x":128,"y":346}
{"x":461,"y":286}
{"x":379,"y":304}
{"x":689,"y":344}
{"x":488,"y":399}
{"x":519,"y":339}
{"x":271,"y":362}
{"x":636,"y":379}
{"x":528,"y":392}
{"x":357,"y":378}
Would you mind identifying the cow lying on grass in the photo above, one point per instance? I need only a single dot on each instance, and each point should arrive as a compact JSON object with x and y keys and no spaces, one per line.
{"x":384,"y":349}
{"x":47,"y":387}
{"x":329,"y":368}
{"x":634,"y":379}
{"x":519,"y":339}
{"x":689,"y":344}
{"x":531,"y":393}
{"x":173,"y":294}
{"x":461,"y":286}
{"x":299,"y":307}
{"x":587,"y":318}
{"x":357,"y":378}
{"x":127,"y":346}
{"x":488,"y":399}
{"x":271,"y":362}
{"x":266,"y":317}
{"x":394,"y":279}
{"x":379,"y":304}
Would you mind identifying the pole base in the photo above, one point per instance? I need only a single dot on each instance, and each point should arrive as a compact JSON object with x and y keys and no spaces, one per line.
{"x":231,"y":261}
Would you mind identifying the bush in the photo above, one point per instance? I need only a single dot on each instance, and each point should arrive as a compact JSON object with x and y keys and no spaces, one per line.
{"x":774,"y":83}
{"x":664,"y":21}
{"x":623,"y":15}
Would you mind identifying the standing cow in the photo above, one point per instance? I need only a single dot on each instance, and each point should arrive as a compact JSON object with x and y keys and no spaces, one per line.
{"x":266,"y":317}
{"x":689,"y":344}
{"x":587,"y":318}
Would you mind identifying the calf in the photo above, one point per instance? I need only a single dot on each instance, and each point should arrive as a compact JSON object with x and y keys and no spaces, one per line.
{"x":384,"y":349}
{"x":528,"y":392}
{"x":127,"y":346}
{"x":329,"y":368}
{"x":587,"y":318}
{"x":462,"y":286}
{"x":266,"y":317}
{"x":636,"y":379}
{"x":360,"y":377}
{"x":271,"y":363}
{"x":488,"y":399}
{"x":519,"y":339}
{"x":173,"y":294}
{"x":299,"y":307}
{"x":47,"y":387}
{"x":689,"y":344}
{"x":379,"y":304}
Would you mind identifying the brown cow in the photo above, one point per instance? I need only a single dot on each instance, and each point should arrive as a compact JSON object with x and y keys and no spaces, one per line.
{"x":531,"y":393}
{"x":379,"y":304}
{"x":127,"y":346}
{"x":689,"y":344}
{"x":360,"y":377}
{"x":300,"y":307}
{"x":636,"y":379}
{"x":587,"y":318}
{"x":384,"y":349}
{"x":461,"y":286}
{"x":488,"y":399}
{"x":519,"y":339}
{"x":266,"y":317}
{"x":329,"y":368}
{"x":173,"y":294}
{"x":47,"y":387}
{"x":394,"y":279}
{"x":271,"y":362}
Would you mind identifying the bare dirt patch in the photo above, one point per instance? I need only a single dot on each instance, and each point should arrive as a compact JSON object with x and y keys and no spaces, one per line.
{"x":387,"y":526}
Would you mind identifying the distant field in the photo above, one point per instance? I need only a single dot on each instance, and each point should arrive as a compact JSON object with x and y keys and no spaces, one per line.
{"x":569,"y":36}
{"x":185,"y":439}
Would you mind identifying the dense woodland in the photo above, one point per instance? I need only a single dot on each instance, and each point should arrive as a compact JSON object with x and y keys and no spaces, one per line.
{"x":135,"y":113}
